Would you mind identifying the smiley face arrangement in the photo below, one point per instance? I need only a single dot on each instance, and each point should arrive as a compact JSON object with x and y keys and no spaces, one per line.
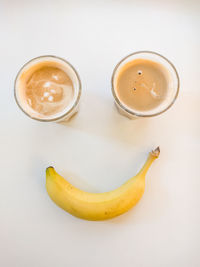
{"x":48,"y":88}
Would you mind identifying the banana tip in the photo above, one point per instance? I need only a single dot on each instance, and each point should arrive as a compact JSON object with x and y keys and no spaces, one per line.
{"x":156,"y":152}
{"x":49,"y":168}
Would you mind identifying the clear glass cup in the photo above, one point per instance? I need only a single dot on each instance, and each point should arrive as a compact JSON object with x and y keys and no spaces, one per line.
{"x":69,"y":110}
{"x":173,"y":85}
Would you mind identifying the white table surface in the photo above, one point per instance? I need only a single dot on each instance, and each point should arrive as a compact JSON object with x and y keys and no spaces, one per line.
{"x":99,"y":149}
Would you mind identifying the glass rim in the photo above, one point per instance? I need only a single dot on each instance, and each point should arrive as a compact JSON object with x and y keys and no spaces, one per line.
{"x":75,"y":103}
{"x":131,"y":111}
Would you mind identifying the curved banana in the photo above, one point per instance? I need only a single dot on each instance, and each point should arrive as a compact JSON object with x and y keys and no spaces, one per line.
{"x":97,"y":206}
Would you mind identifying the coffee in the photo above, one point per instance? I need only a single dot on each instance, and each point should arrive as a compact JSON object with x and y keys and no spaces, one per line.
{"x":142,"y":84}
{"x":48,"y":88}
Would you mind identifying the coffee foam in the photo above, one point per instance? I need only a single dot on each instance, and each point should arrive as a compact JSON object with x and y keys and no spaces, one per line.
{"x":170,"y":95}
{"x":27,"y":71}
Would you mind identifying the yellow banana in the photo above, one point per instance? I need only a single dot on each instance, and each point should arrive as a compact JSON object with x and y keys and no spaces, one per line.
{"x":97,"y":206}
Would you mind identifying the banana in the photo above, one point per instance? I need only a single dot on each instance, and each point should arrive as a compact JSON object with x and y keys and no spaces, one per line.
{"x":98,"y":206}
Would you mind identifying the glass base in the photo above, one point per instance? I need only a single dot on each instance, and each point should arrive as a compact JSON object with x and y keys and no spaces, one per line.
{"x":125,"y":113}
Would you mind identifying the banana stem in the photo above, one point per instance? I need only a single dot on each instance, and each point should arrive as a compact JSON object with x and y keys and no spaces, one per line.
{"x":152,"y":156}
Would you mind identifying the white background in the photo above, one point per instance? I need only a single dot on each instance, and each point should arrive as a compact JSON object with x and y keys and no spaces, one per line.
{"x":99,"y":149}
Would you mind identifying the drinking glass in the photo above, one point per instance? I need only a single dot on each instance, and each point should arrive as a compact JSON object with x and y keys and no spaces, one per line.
{"x":69,"y":110}
{"x":172,"y":90}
